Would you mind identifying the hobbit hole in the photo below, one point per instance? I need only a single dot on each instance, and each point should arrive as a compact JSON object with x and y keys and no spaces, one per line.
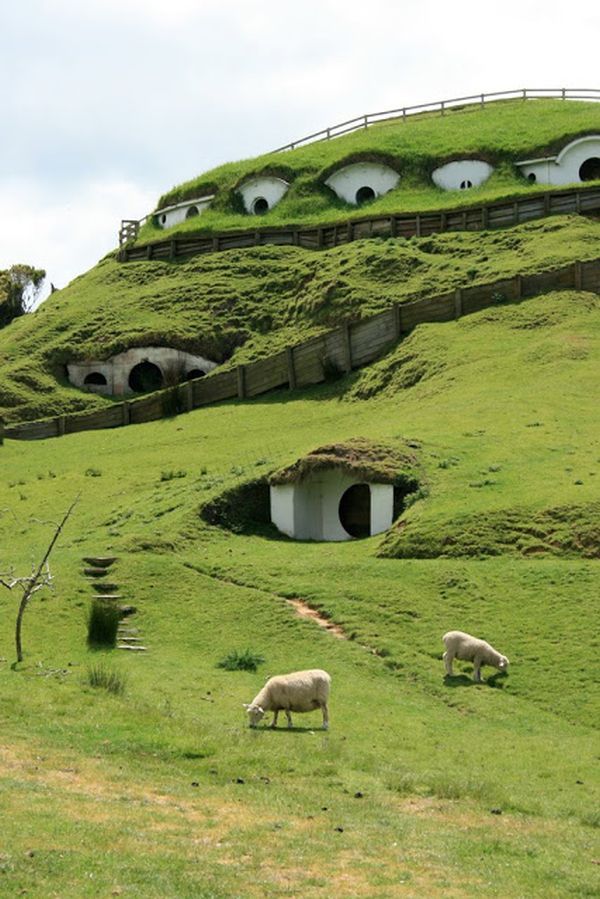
{"x":355,"y":510}
{"x":364,"y":195}
{"x":590,"y":169}
{"x":194,"y":373}
{"x":95,"y":377}
{"x":360,"y":182}
{"x":260,"y":206}
{"x":192,"y":212}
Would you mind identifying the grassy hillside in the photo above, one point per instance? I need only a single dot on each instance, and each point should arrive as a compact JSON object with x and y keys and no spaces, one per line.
{"x":422,"y":787}
{"x":248,"y":303}
{"x":500,"y":133}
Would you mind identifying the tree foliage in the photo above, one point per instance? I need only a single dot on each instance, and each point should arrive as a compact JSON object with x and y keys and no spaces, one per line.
{"x":19,"y":288}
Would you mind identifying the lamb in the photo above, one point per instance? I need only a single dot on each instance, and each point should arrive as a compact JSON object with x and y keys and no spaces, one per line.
{"x":470,"y":649}
{"x":301,"y":691}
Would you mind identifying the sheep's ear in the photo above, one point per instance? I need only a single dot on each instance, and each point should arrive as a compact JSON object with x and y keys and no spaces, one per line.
{"x":261,"y":710}
{"x":246,"y":705}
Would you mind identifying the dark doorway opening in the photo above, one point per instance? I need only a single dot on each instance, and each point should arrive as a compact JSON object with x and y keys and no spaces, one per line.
{"x":590,"y":169}
{"x":364,"y":195}
{"x":145,"y":377}
{"x":532,"y":177}
{"x":195,"y":373}
{"x":95,"y":377}
{"x":355,"y":510}
{"x":465,"y":185}
{"x":260,"y":206}
{"x":192,"y":211}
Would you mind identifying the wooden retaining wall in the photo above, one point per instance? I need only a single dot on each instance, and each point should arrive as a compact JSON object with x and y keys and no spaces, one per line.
{"x":500,"y":214}
{"x":348,"y":347}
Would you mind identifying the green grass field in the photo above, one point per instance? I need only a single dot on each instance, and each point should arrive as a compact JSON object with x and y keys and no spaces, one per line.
{"x":422,"y":787}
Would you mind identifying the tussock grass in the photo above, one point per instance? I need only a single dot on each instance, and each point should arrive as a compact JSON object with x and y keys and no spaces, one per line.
{"x":102,"y":677}
{"x":103,"y":621}
{"x":241,"y":660}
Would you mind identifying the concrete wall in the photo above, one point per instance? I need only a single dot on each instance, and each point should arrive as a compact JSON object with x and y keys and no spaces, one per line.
{"x":265,"y":187}
{"x":117,"y":369}
{"x":310,"y":510}
{"x":346,"y":182}
{"x":176,"y":214}
{"x":563,"y":168}
{"x":453,"y":174}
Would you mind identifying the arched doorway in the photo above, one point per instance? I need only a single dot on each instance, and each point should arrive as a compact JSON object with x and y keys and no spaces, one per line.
{"x":195,"y":373}
{"x":355,"y":510}
{"x":96,"y":378}
{"x":260,"y":206}
{"x":145,"y":377}
{"x":590,"y":169}
{"x":192,"y":212}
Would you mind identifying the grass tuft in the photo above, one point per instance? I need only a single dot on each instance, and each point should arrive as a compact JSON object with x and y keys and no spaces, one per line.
{"x":246,"y":660}
{"x":108,"y":679}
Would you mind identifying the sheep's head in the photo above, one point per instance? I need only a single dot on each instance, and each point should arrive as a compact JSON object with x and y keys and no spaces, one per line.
{"x":255,"y":713}
{"x":503,"y":663}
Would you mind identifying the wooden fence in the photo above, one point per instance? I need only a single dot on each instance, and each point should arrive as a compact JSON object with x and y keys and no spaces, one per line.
{"x":350,"y":346}
{"x":500,"y":214}
{"x":441,"y":107}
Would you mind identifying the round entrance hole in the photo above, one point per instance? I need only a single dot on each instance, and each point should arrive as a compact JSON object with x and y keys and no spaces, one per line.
{"x":192,"y":211}
{"x":95,"y":377}
{"x":194,"y":373}
{"x":465,"y":185}
{"x":532,"y":177}
{"x":163,"y":219}
{"x":144,"y":377}
{"x":364,"y":195}
{"x":355,"y":510}
{"x":260,"y":206}
{"x":590,"y":169}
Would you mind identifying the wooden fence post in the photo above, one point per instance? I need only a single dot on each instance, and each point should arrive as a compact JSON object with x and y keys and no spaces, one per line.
{"x":173,"y":249}
{"x":397,"y":321}
{"x":289,"y":355}
{"x":61,"y":424}
{"x":418,"y":225}
{"x":188,"y":392}
{"x":578,"y":276}
{"x":1,"y":431}
{"x":518,"y":287}
{"x":485,"y":218}
{"x":347,"y":344}
{"x":241,"y":381}
{"x":458,"y":302}
{"x":126,"y":419}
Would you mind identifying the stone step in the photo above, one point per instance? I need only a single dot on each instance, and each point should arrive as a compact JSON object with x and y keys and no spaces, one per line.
{"x":127,"y":631}
{"x":108,"y":597}
{"x":105,"y":587}
{"x":100,"y":561}
{"x":127,"y":610}
{"x":95,"y":572}
{"x":124,"y":638}
{"x":131,"y":648}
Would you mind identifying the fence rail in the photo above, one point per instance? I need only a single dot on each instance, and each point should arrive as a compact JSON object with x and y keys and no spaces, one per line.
{"x":499,"y":214}
{"x":442,"y":106}
{"x":343,"y":349}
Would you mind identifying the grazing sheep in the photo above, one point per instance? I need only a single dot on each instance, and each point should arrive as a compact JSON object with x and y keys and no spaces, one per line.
{"x":470,"y":649}
{"x":301,"y":691}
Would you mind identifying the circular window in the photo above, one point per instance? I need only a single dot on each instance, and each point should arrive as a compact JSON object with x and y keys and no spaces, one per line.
{"x":364,"y":195}
{"x":532,"y":177}
{"x":95,"y":377}
{"x":195,"y":373}
{"x":144,"y":377}
{"x":192,"y":212}
{"x":465,"y":185}
{"x":590,"y":169}
{"x":260,"y":206}
{"x":163,"y":219}
{"x":355,"y":510}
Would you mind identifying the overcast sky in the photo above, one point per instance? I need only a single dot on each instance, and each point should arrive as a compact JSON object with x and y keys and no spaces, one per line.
{"x":108,"y":103}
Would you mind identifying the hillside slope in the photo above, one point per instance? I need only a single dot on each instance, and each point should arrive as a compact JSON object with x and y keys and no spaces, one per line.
{"x":163,"y":790}
{"x":244,"y":304}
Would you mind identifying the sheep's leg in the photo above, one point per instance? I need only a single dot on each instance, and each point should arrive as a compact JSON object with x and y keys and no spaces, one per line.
{"x":448,"y":659}
{"x":289,"y":717}
{"x":477,"y":671}
{"x":275,"y":714}
{"x":325,"y":711}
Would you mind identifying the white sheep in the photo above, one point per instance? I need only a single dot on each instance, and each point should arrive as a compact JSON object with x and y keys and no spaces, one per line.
{"x":470,"y":649}
{"x":301,"y":691}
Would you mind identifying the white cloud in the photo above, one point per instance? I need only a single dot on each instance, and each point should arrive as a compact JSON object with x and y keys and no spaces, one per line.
{"x":65,"y":235}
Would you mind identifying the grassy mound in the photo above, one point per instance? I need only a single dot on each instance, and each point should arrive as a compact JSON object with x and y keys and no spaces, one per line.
{"x":241,"y":305}
{"x":361,"y":458}
{"x":500,"y":133}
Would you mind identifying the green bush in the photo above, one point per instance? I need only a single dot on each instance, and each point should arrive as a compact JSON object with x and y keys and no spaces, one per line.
{"x":106,"y":679}
{"x":103,"y":621}
{"x":241,"y":661}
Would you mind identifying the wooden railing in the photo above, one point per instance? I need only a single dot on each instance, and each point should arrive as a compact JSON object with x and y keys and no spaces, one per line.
{"x":498,"y":214}
{"x":440,"y":106}
{"x":350,"y":346}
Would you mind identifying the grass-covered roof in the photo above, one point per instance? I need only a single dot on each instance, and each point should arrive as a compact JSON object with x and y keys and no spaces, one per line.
{"x":360,"y":457}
